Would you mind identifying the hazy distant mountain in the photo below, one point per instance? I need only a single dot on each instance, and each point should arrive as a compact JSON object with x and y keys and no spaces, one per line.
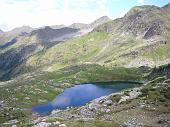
{"x":43,"y":62}
{"x":22,"y":42}
{"x":57,"y":26}
{"x":140,"y":38}
{"x":92,"y":25}
{"x":6,"y":37}
{"x":79,"y":26}
{"x":130,"y":37}
{"x":60,"y":33}
{"x":47,"y":35}
{"x":100,"y":21}
{"x":21,"y":30}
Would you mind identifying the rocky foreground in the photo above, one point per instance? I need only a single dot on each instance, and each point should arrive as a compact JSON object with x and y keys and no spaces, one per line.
{"x":129,"y":108}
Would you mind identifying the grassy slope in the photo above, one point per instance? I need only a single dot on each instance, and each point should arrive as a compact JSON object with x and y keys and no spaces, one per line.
{"x":73,"y":51}
{"x":101,"y":48}
{"x":159,"y":53}
{"x":26,"y":93}
{"x":36,"y":86}
{"x":94,"y":48}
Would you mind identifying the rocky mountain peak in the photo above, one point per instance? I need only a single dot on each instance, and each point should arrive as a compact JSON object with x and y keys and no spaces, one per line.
{"x":103,"y":18}
{"x":57,"y":26}
{"x":166,"y":6}
{"x":78,"y":25}
{"x":141,"y":21}
{"x":138,"y":9}
{"x":47,"y":28}
{"x":92,"y":25}
{"x":100,"y":21}
{"x":22,"y":29}
{"x":49,"y":36}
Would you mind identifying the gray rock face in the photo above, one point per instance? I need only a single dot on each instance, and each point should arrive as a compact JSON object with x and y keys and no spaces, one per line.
{"x":26,"y":41}
{"x":48,"y":34}
{"x":92,"y":25}
{"x":79,"y":26}
{"x":155,"y":29}
{"x":138,"y":9}
{"x":144,"y":22}
{"x":167,"y":6}
{"x":21,"y":30}
{"x":101,"y":20}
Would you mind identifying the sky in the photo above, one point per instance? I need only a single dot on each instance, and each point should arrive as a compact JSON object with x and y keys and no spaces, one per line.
{"x":38,"y":13}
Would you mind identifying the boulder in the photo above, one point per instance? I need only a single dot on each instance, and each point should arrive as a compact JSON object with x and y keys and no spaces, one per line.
{"x":42,"y":124}
{"x":108,"y":103}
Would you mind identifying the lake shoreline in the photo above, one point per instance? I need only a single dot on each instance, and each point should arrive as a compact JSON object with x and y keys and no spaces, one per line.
{"x":70,"y":94}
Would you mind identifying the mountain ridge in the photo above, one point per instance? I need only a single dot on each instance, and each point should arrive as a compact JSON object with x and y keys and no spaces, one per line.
{"x":35,"y":68}
{"x":134,"y":32}
{"x":34,"y":40}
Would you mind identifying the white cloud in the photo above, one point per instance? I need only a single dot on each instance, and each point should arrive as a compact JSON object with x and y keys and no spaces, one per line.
{"x":140,"y":1}
{"x":36,"y":13}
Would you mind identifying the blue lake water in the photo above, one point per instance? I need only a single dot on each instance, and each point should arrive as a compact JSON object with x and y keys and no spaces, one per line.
{"x":81,"y":94}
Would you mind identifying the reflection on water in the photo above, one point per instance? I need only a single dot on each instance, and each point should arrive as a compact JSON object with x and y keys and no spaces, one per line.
{"x":80,"y":95}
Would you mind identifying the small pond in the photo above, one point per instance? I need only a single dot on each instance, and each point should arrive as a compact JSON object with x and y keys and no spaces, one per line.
{"x":82,"y":94}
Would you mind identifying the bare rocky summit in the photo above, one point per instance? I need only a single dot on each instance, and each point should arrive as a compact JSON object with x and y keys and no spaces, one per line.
{"x":141,"y":21}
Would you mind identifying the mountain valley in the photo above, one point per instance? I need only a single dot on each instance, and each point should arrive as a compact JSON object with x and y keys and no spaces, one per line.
{"x":37,"y":64}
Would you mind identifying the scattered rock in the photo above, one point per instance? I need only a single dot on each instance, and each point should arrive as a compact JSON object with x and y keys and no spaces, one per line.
{"x":164,"y":121}
{"x":108,"y":103}
{"x":142,"y":105}
{"x":132,"y":124}
{"x":108,"y":110}
{"x":93,"y":106}
{"x":1,"y":103}
{"x":42,"y":101}
{"x":55,"y":111}
{"x":11,"y":122}
{"x":134,"y":93}
{"x":27,"y":98}
{"x":56,"y":123}
{"x":42,"y":124}
{"x":62,"y":125}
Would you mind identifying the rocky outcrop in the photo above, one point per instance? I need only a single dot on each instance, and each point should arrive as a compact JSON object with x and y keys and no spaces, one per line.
{"x":142,"y":21}
{"x":79,"y":26}
{"x":105,"y":104}
{"x":138,"y":9}
{"x":48,"y":34}
{"x":155,"y":29}
{"x":21,"y":30}
{"x":100,"y":21}
{"x":97,"y":22}
{"x":20,"y":43}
